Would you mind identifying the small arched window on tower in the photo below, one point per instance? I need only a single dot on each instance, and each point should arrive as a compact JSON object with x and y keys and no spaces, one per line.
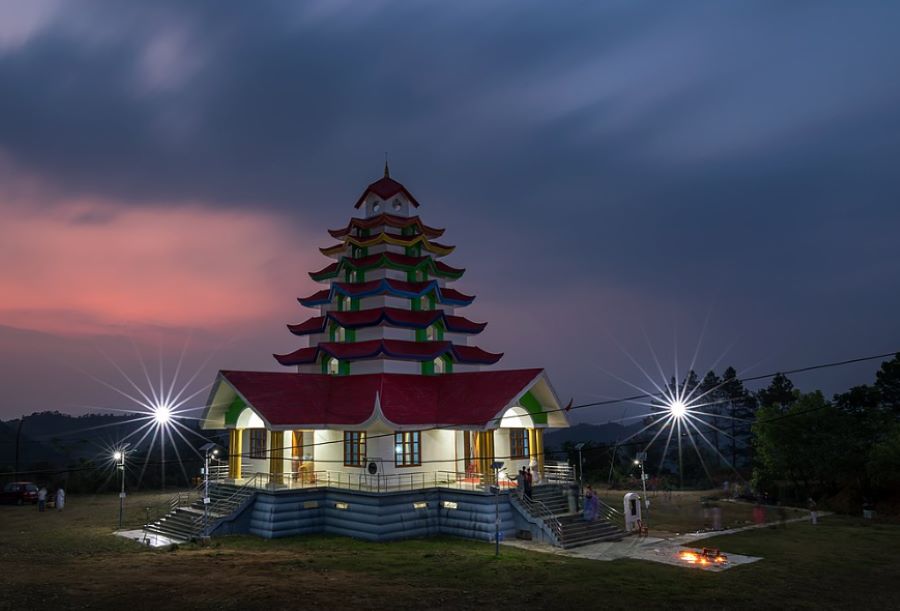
{"x":430,"y":333}
{"x":424,"y":303}
{"x":333,"y":366}
{"x":339,"y":335}
{"x":345,"y":303}
{"x":376,"y":207}
{"x":439,"y":365}
{"x":396,"y":205}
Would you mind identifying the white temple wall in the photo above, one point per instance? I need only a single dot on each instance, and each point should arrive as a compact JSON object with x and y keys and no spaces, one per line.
{"x":328,"y":450}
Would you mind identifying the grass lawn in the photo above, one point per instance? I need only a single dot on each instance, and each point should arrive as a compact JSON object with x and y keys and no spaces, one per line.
{"x":70,"y":560}
{"x":682,"y":512}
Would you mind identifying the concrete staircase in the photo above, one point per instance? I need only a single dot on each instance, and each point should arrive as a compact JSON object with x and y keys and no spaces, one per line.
{"x":186,"y":521}
{"x":569,"y":528}
{"x":576,"y":532}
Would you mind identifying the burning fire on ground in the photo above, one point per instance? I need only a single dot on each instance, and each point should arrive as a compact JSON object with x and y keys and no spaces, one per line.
{"x":705,"y":557}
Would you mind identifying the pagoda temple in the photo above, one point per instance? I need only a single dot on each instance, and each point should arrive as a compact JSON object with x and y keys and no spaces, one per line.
{"x":389,"y":391}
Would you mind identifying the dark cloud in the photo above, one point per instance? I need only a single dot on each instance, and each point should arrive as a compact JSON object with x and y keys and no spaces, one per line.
{"x":682,"y":155}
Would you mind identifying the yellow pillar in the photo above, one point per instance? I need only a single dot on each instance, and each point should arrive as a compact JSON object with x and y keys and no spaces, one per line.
{"x":276,"y":458}
{"x":539,"y":447}
{"x":234,"y":453}
{"x":532,"y":445}
{"x":487,"y":455}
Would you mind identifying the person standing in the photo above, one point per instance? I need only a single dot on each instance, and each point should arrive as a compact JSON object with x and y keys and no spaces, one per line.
{"x":813,"y":514}
{"x":60,"y":498}
{"x":528,"y":483}
{"x":42,"y":498}
{"x":590,"y":504}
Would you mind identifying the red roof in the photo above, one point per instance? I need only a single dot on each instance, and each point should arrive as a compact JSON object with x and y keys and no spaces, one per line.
{"x":391,"y":220}
{"x":457,"y":399}
{"x":386,"y":188}
{"x":381,"y":286}
{"x":391,"y":348}
{"x":392,"y":316}
{"x":393,"y":257}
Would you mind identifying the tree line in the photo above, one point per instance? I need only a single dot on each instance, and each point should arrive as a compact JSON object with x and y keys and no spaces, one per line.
{"x":776,"y":440}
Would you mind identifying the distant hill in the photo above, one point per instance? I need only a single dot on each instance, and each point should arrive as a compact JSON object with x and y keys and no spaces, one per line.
{"x":61,"y":439}
{"x":30,"y":450}
{"x":598,"y":433}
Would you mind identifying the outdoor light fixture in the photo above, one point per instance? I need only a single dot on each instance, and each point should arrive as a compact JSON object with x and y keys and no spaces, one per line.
{"x":579,"y":446}
{"x":677,"y":408}
{"x":496,"y":466}
{"x":210,"y":451}
{"x":162,"y":413}
{"x":119,"y":457}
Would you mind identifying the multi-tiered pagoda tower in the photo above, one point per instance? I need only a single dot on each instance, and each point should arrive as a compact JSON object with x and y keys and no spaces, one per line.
{"x":388,"y":306}
{"x":389,"y":393}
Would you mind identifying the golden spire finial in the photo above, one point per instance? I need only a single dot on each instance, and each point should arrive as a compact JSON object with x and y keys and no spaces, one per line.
{"x":387,"y":171}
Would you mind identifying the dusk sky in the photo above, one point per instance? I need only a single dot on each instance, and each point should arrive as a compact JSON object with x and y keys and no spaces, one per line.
{"x":608,"y":171}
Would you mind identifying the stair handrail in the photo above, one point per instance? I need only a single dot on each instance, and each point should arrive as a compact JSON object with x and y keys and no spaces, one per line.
{"x":610,"y":510}
{"x":250,"y":484}
{"x":539,"y":510}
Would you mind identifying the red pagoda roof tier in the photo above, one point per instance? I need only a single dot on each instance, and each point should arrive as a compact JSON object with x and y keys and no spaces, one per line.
{"x":387,"y":259}
{"x":388,"y":238}
{"x":391,"y":348}
{"x":296,"y":400}
{"x":393,"y":316}
{"x":387,"y":286}
{"x":391,"y":220}
{"x":385,"y":188}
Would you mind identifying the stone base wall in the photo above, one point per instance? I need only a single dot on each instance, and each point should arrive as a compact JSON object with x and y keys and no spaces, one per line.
{"x":374,"y":516}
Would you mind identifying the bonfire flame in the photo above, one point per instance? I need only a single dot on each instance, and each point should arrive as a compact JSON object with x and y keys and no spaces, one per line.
{"x":705,"y":557}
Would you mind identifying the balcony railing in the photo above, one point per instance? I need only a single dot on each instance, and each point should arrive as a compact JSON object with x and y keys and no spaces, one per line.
{"x":379,"y":482}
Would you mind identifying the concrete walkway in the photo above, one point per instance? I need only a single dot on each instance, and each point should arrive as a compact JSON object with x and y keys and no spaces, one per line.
{"x":151,"y":539}
{"x":655,"y":549}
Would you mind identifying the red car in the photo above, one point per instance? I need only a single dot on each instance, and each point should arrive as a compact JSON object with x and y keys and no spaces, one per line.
{"x":19,"y":493}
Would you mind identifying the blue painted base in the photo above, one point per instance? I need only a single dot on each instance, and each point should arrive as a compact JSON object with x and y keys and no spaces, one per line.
{"x":374,"y":516}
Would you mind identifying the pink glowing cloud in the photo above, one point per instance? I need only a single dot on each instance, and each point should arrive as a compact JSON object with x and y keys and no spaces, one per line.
{"x":88,"y":267}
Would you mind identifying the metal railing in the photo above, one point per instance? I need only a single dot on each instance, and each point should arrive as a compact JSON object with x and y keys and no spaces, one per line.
{"x":540,"y":511}
{"x":559,"y":474}
{"x":367,"y":482}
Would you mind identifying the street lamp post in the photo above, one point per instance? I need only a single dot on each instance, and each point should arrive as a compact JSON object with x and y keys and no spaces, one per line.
{"x":210,"y":450}
{"x":578,"y":447}
{"x":641,"y":457}
{"x":119,"y":457}
{"x":496,"y":466}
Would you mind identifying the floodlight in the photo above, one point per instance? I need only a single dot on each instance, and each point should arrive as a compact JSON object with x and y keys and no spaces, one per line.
{"x":162,"y":413}
{"x":677,"y":408}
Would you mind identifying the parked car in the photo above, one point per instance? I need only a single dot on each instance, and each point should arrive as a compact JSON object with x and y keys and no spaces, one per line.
{"x":19,"y":493}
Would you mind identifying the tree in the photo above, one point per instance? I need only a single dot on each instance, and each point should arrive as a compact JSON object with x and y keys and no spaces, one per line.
{"x":741,"y":407}
{"x":805,"y":445}
{"x":887,"y":383}
{"x":780,"y":393}
{"x":883,"y":464}
{"x":710,"y":394}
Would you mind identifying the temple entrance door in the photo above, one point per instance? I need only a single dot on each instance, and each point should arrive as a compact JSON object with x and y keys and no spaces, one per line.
{"x":301,"y":462}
